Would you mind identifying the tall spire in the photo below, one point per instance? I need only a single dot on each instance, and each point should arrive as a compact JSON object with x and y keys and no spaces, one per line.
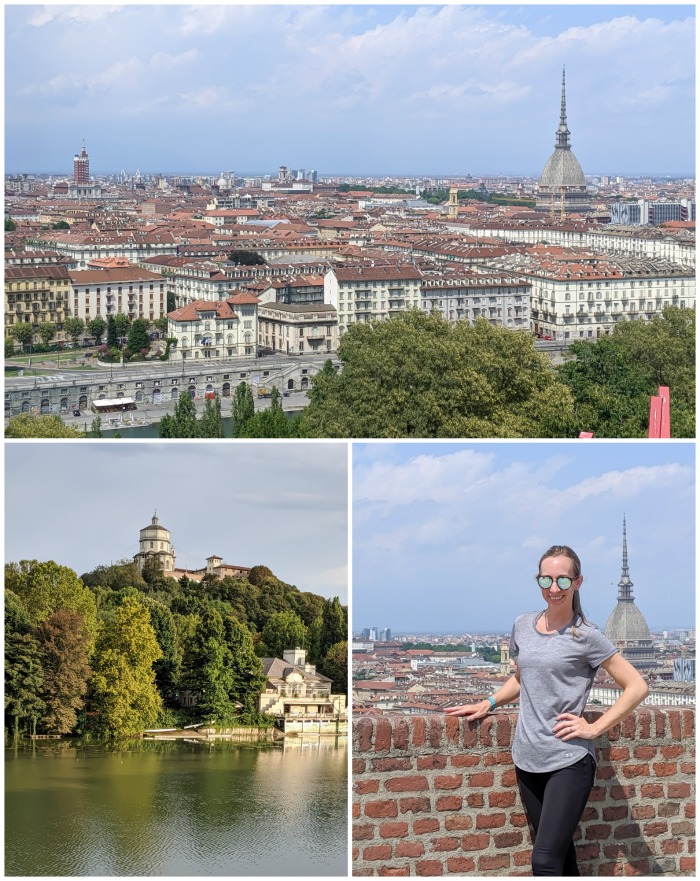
{"x":563,"y":131}
{"x":625,"y":584}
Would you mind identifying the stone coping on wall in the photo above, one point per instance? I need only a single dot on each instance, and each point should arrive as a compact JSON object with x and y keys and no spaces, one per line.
{"x":436,"y":795}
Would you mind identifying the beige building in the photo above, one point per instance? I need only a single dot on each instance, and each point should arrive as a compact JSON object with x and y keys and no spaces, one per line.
{"x":36,"y":295}
{"x":222,"y":329}
{"x":298,"y":329}
{"x":372,"y":293}
{"x":128,"y":290}
{"x":154,"y":541}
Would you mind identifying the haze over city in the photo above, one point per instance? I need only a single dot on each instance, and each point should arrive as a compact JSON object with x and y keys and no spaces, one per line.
{"x":348,"y":90}
{"x":447,"y":537}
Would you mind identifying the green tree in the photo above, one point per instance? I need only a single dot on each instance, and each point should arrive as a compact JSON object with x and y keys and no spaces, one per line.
{"x":212,"y":424}
{"x":284,"y":630}
{"x":112,"y":335}
{"x":61,"y":224}
{"x":122,"y":324}
{"x":334,"y":627}
{"x":183,"y":422}
{"x":243,"y":407}
{"x":96,"y":328}
{"x":125,"y":699}
{"x":258,"y":574}
{"x":9,"y":347}
{"x":24,"y":680}
{"x":170,"y":301}
{"x":206,"y":668}
{"x":10,"y":225}
{"x":95,"y":428}
{"x":247,"y":677}
{"x":47,"y":331}
{"x":152,"y":571}
{"x":246,"y":258}
{"x":64,"y":647}
{"x":269,"y":423}
{"x":28,"y":425}
{"x":23,"y":332}
{"x":161,"y":324}
{"x":417,"y":375}
{"x":138,"y":336}
{"x":335,"y":666}
{"x":167,"y":666}
{"x":74,"y":328}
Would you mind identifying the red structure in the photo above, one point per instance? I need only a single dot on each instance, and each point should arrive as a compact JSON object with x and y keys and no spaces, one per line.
{"x":660,"y":414}
{"x":81,"y":167}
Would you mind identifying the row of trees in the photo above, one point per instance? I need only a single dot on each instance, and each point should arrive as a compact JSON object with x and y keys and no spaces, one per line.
{"x":109,"y":654}
{"x":115,"y":326}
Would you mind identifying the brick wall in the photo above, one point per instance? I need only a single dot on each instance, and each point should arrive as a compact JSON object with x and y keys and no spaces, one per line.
{"x":437,"y":796}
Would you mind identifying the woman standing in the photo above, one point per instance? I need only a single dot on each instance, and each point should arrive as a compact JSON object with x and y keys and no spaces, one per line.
{"x":558,"y":653}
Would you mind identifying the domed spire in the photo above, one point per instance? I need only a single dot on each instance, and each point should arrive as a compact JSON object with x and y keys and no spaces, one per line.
{"x":625,"y":584}
{"x":563,"y":131}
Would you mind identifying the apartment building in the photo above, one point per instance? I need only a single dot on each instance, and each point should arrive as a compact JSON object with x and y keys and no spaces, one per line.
{"x":297,"y":329}
{"x":128,"y":290}
{"x":372,"y":293}
{"x":500,"y":299}
{"x":210,"y":330}
{"x":37,"y":294}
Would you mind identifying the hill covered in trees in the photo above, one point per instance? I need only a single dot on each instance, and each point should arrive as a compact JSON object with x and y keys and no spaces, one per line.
{"x":109,"y":654}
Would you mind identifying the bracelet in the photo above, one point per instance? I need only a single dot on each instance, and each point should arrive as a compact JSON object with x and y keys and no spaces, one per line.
{"x":492,"y":701}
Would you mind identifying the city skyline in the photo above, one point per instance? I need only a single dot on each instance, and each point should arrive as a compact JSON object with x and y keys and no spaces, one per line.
{"x":348,"y":89}
{"x":255,"y":504}
{"x":446,"y":537}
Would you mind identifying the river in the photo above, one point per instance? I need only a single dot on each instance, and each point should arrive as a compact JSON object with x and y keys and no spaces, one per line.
{"x":177,"y":808}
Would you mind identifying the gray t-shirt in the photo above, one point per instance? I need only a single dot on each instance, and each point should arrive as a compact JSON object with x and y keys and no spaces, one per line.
{"x":556,"y":674}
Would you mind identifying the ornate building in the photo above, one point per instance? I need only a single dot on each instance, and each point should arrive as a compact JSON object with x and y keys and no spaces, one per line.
{"x":154,"y":541}
{"x":626,"y":627}
{"x":562,"y":187}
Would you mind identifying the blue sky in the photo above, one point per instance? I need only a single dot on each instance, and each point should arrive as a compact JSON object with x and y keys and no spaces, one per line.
{"x":423,"y":89}
{"x":447,"y":537}
{"x":283,"y":505}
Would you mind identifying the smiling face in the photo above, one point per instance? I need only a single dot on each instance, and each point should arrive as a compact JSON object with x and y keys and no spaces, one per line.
{"x":556,"y":598}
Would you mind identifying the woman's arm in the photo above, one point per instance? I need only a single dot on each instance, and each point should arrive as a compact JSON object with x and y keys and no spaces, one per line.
{"x":634,"y":690}
{"x":507,"y":693}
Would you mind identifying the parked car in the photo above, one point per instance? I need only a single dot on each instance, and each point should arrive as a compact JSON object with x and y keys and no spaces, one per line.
{"x":77,"y":413}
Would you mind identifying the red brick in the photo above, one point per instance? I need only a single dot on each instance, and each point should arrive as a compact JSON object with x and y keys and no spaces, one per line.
{"x":598,"y":793}
{"x":615,"y":851}
{"x":364,"y":729}
{"x":469,"y":734}
{"x":500,"y":861}
{"x":382,"y":737}
{"x":409,"y":849}
{"x":443,"y":844}
{"x":393,"y":830}
{"x":503,"y":730}
{"x":665,"y":769}
{"x":401,"y":734}
{"x":674,"y":721}
{"x":490,"y":821}
{"x":418,"y":738}
{"x":642,"y":849}
{"x":645,"y":752}
{"x":630,"y":830}
{"x":628,"y":727}
{"x":452,"y":729}
{"x":687,"y":864}
{"x":363,"y":833}
{"x":518,"y":818}
{"x":619,"y":812}
{"x":616,"y":753}
{"x":682,"y":828}
{"x":688,"y":717}
{"x":429,"y":868}
{"x":458,"y":822}
{"x":678,"y":790}
{"x":590,"y":813}
{"x":598,"y":831}
{"x":644,"y":719}
{"x":355,"y":810}
{"x":670,"y":809}
{"x":362,"y":787}
{"x":460,"y":865}
{"x":522,"y":857}
{"x":475,"y":800}
{"x":430,"y":763}
{"x":392,"y":765}
{"x":608,"y":870}
{"x":672,"y":752}
{"x":637,"y":867}
{"x":448,"y":803}
{"x":508,"y":778}
{"x":589,"y":851}
{"x":483,"y":779}
{"x":660,"y":726}
{"x":465,"y":760}
{"x":507,"y":839}
{"x":635,"y":770}
{"x":420,"y":827}
{"x":651,"y":830}
{"x":499,"y":758}
{"x":604,"y":772}
{"x":689,"y":810}
{"x":501,"y":799}
{"x":358,"y":766}
{"x":618,"y":792}
{"x":414,"y":783}
{"x":486,"y":728}
{"x":381,"y":808}
{"x":361,"y":872}
{"x":475,"y":842}
{"x":393,"y":871}
{"x":688,"y":768}
{"x":643,"y":812}
{"x":448,"y":781}
{"x":671,"y":846}
{"x":377,"y":852}
{"x":652,"y":790}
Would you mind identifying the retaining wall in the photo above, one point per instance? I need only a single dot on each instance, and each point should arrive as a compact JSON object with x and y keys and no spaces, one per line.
{"x":437,"y":796}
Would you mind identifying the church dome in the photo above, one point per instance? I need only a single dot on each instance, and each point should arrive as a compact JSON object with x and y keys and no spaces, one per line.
{"x":562,"y":170}
{"x":626,"y":623}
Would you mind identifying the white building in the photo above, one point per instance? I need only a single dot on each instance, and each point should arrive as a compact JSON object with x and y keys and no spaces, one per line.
{"x":372,"y":293}
{"x":223,"y":329}
{"x":298,"y":329}
{"x":500,"y":299}
{"x":128,"y":290}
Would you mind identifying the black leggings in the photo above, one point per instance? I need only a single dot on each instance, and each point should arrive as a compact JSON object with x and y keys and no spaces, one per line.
{"x":554,"y":802}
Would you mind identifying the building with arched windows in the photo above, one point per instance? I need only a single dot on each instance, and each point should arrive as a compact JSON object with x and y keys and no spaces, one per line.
{"x":208,"y":329}
{"x":154,"y":541}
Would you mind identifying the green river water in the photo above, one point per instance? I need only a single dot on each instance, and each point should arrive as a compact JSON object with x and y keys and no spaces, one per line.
{"x":177,"y":808}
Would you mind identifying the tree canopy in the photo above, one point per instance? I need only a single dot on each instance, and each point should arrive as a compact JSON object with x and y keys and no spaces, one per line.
{"x":29,"y":425}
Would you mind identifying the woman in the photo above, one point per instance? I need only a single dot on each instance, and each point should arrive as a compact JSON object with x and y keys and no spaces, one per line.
{"x":558,"y":653}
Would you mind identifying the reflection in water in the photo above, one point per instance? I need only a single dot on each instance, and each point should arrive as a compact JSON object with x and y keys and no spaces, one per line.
{"x":177,"y":808}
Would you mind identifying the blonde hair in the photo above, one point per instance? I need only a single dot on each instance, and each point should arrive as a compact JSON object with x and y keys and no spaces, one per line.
{"x":565,"y":551}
